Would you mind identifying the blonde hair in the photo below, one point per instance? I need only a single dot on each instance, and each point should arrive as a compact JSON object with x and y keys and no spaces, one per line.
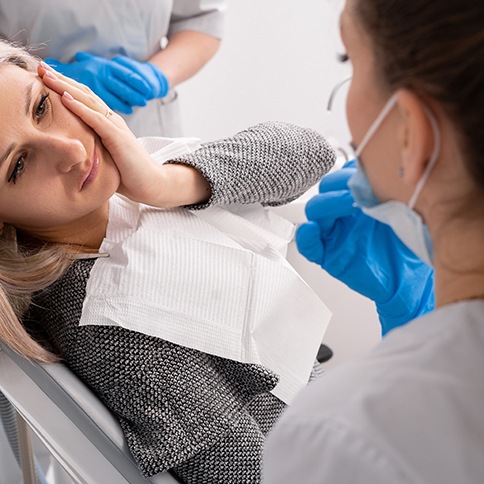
{"x":23,"y":272}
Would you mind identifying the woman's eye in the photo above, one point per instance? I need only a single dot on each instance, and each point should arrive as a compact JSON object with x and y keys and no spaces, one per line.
{"x":17,"y":169}
{"x":42,"y":107}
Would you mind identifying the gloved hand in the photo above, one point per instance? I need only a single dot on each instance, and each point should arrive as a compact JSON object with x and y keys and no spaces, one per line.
{"x":118,"y":86}
{"x":364,"y":254}
{"x":149,"y":72}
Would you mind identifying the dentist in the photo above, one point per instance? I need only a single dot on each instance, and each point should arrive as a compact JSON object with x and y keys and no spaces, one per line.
{"x":410,"y":411}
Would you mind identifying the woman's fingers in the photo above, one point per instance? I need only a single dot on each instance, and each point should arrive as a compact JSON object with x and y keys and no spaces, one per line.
{"x":91,"y":109}
{"x":43,"y":68}
{"x":59,"y":83}
{"x":139,"y":173}
{"x":87,"y":106}
{"x":141,"y":178}
{"x":101,"y":122}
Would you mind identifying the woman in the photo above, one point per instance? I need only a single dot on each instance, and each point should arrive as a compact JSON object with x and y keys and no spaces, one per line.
{"x":114,"y":47}
{"x":409,"y":411}
{"x":64,"y":157}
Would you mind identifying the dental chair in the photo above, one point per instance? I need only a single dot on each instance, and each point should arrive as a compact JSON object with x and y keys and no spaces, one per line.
{"x":75,"y":426}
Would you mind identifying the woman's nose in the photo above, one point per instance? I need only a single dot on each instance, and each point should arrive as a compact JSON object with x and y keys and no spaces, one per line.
{"x":66,"y":152}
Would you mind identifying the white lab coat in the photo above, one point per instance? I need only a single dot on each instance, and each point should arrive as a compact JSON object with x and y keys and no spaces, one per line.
{"x":411,"y":411}
{"x":108,"y":28}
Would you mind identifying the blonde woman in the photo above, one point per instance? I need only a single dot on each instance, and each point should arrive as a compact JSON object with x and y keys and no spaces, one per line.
{"x":64,"y":157}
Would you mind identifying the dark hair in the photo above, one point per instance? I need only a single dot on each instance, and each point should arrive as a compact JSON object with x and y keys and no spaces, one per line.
{"x":436,"y":49}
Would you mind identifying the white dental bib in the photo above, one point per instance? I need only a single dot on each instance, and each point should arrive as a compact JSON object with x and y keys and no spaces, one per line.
{"x":214,"y":280}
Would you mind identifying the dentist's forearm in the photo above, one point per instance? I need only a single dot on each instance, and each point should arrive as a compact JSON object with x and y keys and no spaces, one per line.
{"x":187,"y":52}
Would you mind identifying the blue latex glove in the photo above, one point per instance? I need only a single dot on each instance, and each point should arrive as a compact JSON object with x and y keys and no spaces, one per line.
{"x":364,"y":254}
{"x":118,"y":86}
{"x":149,"y":72}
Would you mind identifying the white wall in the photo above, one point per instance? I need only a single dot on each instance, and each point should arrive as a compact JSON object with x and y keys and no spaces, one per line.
{"x":278,"y":62}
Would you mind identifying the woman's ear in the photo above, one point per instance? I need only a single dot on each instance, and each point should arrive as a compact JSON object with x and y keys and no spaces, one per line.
{"x":417,"y":136}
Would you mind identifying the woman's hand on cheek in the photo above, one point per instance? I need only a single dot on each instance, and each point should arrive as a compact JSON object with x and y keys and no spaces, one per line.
{"x":142,"y":179}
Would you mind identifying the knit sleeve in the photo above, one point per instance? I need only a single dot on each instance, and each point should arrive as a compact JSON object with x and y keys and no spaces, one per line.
{"x":270,"y":163}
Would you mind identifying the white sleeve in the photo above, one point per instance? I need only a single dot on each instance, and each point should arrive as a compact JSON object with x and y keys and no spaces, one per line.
{"x":315,"y":453}
{"x":206,"y":16}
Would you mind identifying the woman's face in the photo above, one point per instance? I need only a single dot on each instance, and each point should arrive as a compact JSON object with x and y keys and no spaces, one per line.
{"x":55,"y":175}
{"x":366,"y":98}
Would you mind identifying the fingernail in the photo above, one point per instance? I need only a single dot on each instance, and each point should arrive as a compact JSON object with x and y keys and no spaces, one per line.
{"x":68,"y":96}
{"x":50,"y":74}
{"x":45,"y":66}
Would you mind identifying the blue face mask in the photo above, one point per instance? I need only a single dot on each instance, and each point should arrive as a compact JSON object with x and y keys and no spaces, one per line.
{"x":402,"y":218}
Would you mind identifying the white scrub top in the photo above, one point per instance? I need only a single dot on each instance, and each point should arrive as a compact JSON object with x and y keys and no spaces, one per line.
{"x":410,"y":411}
{"x":135,"y":28}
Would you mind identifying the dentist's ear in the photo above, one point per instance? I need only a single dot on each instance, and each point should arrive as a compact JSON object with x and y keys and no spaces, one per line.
{"x":417,"y":140}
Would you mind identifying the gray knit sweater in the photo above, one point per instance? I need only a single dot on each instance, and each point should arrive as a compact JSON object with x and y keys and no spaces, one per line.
{"x":201,"y":416}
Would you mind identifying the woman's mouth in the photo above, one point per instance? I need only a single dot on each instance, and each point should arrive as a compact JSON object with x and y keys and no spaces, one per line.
{"x":92,"y":171}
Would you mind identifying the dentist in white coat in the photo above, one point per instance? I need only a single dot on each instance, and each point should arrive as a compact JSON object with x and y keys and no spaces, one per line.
{"x":411,"y":410}
{"x":132,"y":53}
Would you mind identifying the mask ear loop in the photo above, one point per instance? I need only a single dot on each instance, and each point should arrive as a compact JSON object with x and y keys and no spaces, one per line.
{"x":376,"y":124}
{"x":432,"y":160}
